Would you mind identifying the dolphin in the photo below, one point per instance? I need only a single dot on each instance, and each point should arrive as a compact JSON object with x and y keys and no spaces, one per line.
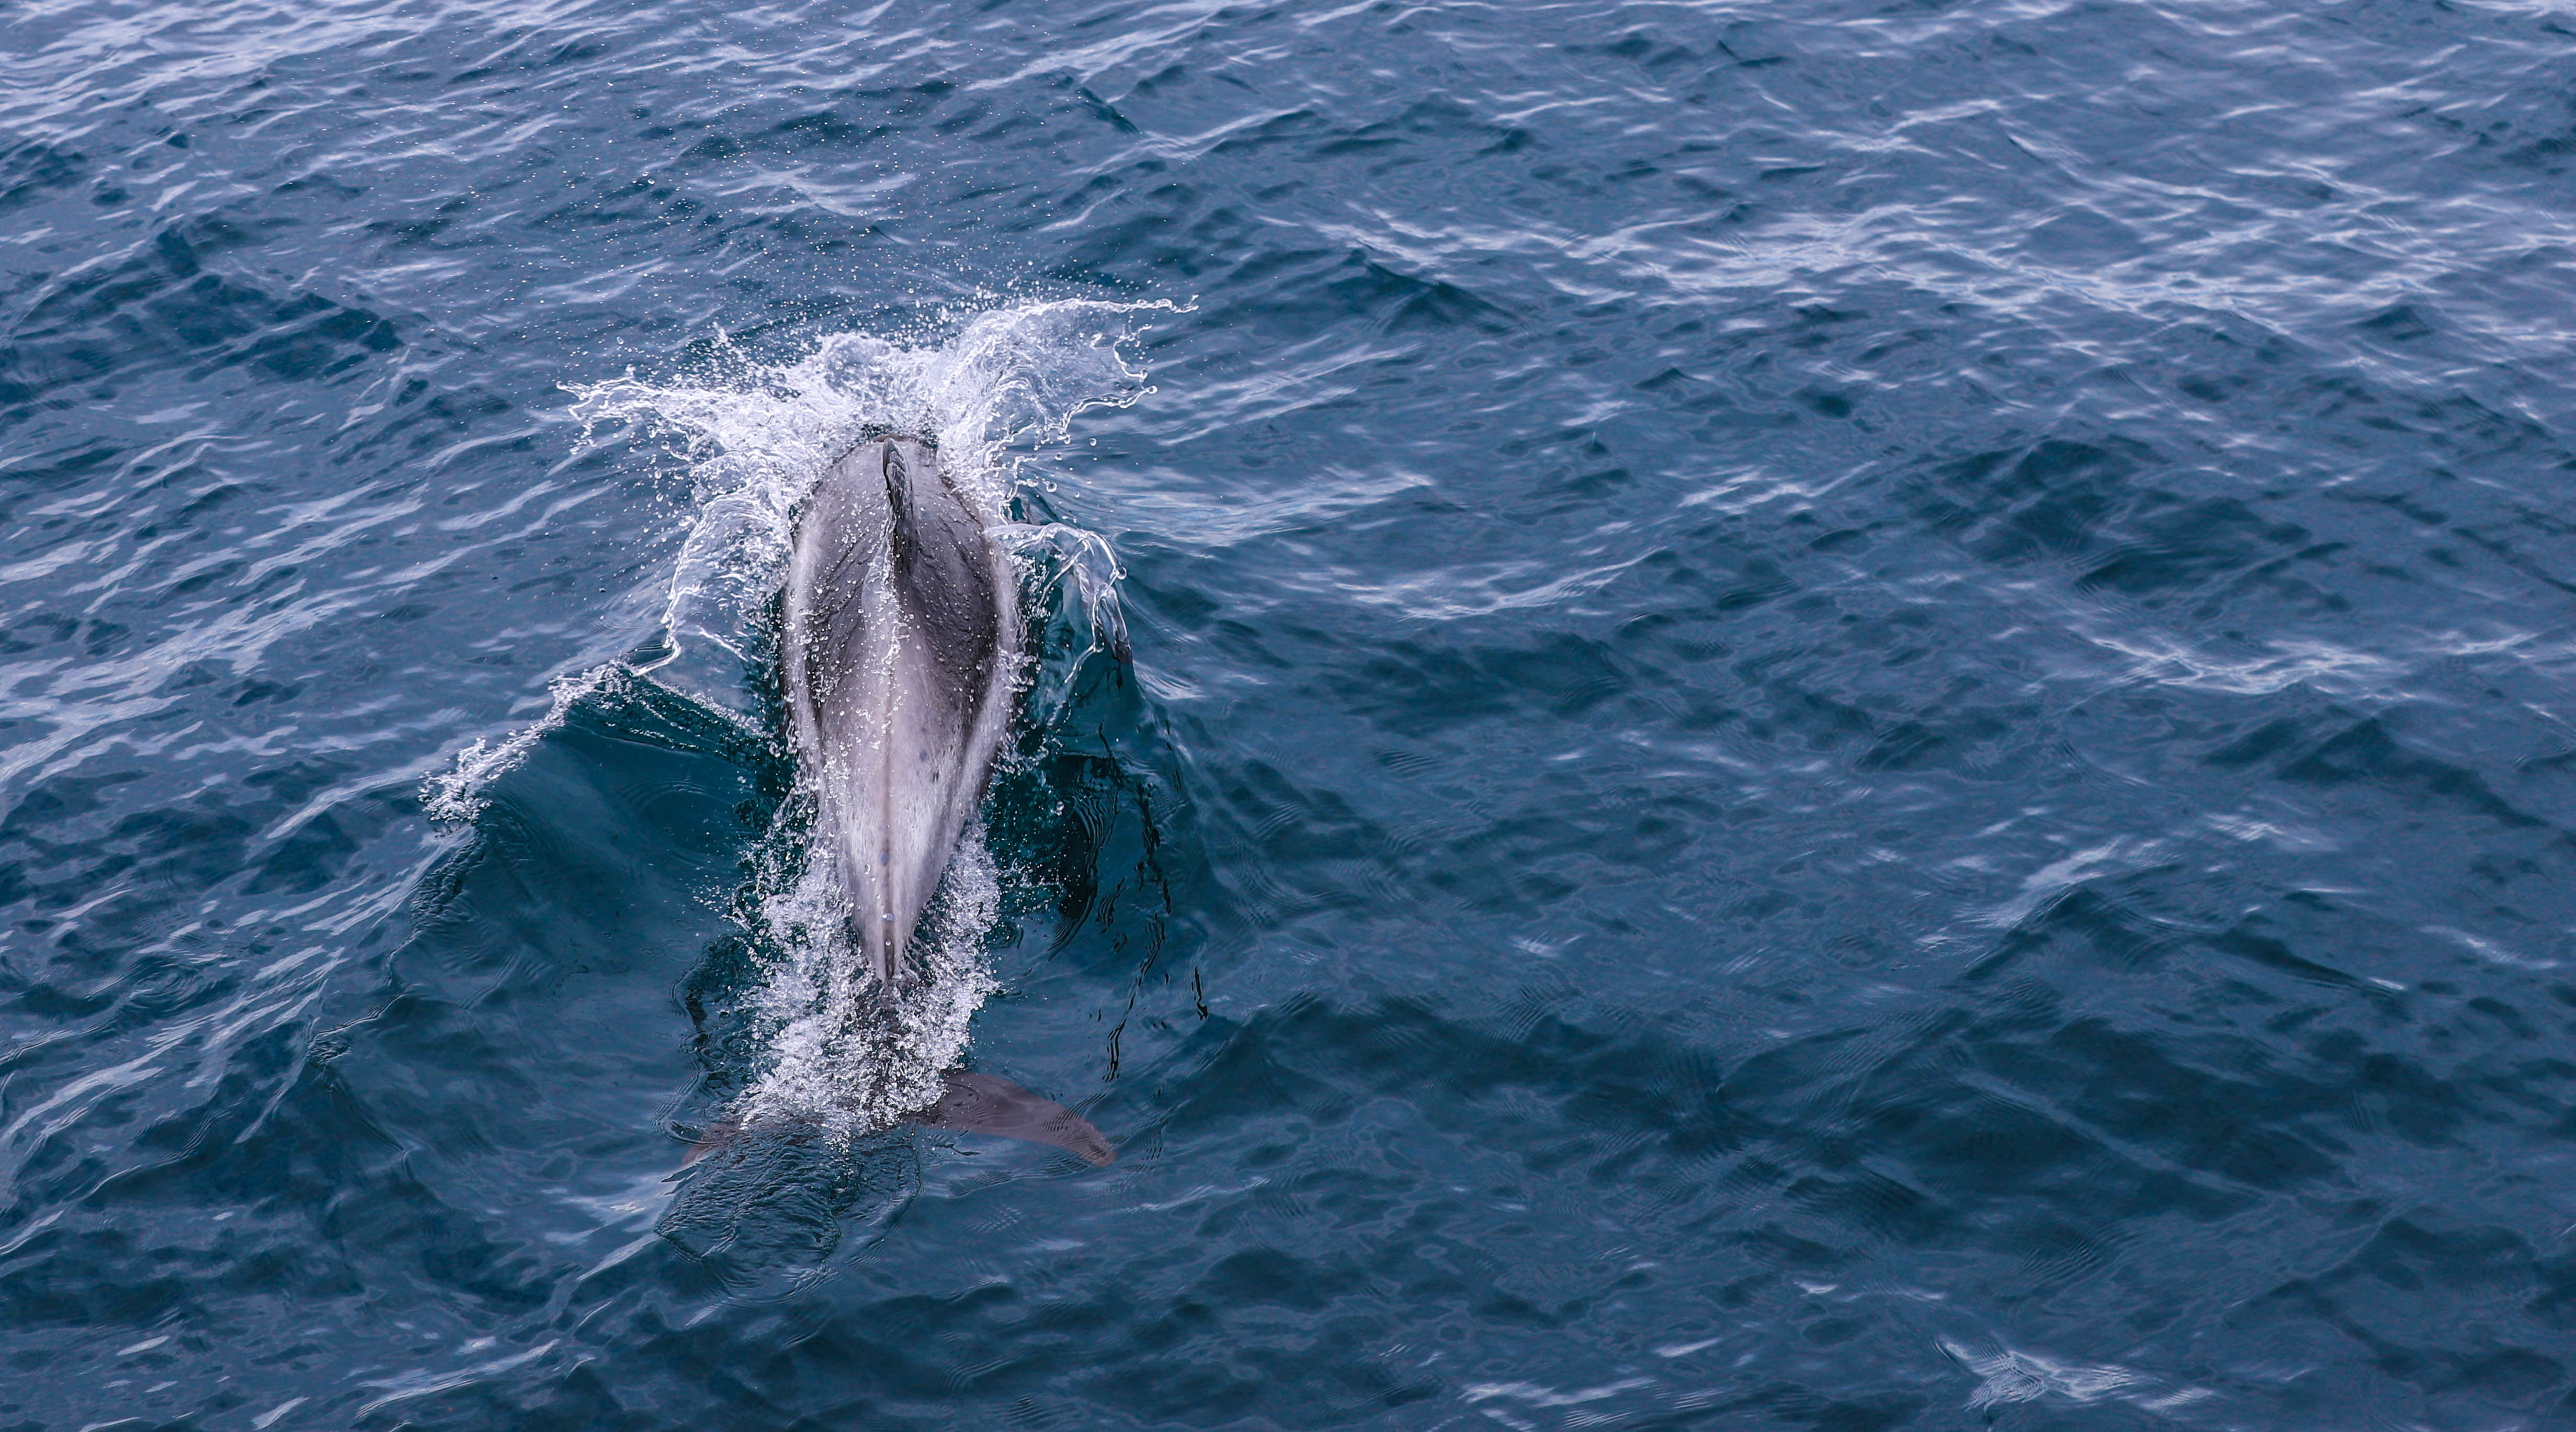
{"x":901,"y":652}
{"x":901,"y":657}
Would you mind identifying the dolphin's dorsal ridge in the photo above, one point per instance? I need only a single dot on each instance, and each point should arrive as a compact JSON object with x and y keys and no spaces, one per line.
{"x":898,"y":486}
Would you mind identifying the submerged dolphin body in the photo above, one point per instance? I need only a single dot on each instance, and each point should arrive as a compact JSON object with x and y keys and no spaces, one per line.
{"x":901,"y":652}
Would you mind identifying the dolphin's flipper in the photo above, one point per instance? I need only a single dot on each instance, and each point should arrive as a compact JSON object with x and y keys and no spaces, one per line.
{"x":982,"y":1104}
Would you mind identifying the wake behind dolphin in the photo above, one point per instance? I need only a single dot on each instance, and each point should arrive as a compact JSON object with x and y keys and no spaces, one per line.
{"x":901,"y":652}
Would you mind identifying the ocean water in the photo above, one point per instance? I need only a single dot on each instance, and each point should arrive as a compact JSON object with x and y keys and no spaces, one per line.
{"x":1836,"y":715}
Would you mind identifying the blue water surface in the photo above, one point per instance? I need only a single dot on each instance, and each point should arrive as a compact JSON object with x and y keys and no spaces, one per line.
{"x":1837,"y":715}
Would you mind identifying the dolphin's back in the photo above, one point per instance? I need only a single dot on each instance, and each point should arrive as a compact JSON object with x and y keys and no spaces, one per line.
{"x":900,"y":651}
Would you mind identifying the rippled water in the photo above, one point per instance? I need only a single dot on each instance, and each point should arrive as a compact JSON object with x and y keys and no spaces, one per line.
{"x":1833,"y":717}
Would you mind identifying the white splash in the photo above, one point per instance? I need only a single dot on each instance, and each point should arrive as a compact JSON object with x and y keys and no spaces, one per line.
{"x":455,"y":796}
{"x":752,"y":443}
{"x":844,"y":1053}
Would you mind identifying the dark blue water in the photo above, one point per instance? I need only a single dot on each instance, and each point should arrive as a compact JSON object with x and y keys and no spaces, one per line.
{"x":1840,"y":716}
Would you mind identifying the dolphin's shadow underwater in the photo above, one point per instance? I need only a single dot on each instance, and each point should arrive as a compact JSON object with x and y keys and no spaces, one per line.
{"x":901,"y":653}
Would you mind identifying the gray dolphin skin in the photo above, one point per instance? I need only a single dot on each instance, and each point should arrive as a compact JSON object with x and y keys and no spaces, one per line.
{"x":901,"y":652}
{"x":901,"y":660}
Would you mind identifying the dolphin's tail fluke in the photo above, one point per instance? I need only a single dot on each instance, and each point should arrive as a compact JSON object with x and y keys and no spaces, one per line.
{"x":974,"y":1104}
{"x":982,"y":1104}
